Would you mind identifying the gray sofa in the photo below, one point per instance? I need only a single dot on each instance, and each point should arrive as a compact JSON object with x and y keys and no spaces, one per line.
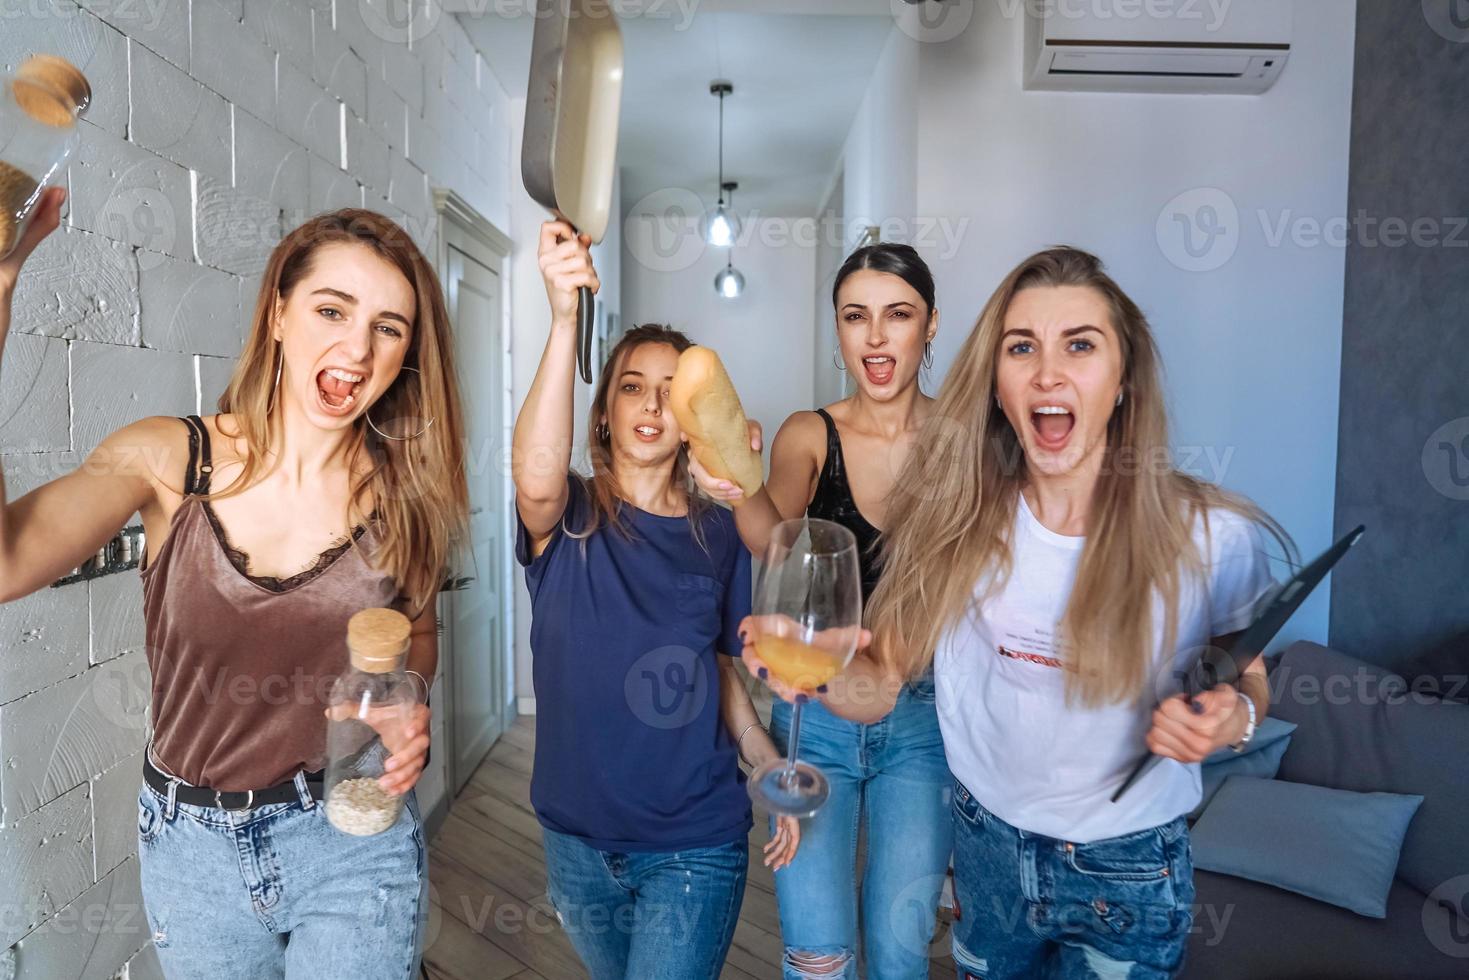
{"x":1363,"y":729}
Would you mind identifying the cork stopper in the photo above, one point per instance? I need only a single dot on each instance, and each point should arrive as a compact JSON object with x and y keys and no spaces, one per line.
{"x":51,"y":90}
{"x":378,"y":639}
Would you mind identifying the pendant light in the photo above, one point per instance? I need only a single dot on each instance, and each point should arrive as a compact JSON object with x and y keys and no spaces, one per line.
{"x":721,"y":225}
{"x":729,"y":283}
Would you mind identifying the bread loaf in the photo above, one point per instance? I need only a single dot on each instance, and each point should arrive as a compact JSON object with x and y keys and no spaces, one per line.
{"x":709,"y":413}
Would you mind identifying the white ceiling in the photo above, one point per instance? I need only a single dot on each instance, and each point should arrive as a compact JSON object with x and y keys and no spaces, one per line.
{"x":799,"y":69}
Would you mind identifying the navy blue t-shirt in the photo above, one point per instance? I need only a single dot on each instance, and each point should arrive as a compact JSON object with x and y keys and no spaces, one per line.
{"x":631,"y":753}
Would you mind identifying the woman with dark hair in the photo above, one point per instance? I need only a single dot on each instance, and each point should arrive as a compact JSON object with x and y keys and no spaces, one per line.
{"x":306,"y":499}
{"x":839,"y":463}
{"x":1052,"y":570}
{"x":637,"y":585}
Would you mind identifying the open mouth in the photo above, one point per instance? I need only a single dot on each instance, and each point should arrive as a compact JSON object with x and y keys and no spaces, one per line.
{"x":880,"y":368}
{"x":1052,"y":425}
{"x":647,"y":433}
{"x":338,"y":389}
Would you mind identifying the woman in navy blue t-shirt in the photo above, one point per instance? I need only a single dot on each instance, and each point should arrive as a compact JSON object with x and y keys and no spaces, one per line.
{"x":637,"y":587}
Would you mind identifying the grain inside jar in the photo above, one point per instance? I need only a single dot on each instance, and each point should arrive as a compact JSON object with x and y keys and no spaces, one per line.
{"x":16,"y":190}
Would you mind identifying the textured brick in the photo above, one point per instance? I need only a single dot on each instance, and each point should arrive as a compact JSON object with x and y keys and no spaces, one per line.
{"x":368,"y":155}
{"x":306,"y":113}
{"x":61,"y":736}
{"x":214,"y":378}
{"x":114,"y":386}
{"x":116,"y":610}
{"x":126,"y":193}
{"x":160,"y":25}
{"x":284,"y":26}
{"x":47,"y":857}
{"x":404,"y":74}
{"x":35,"y":414}
{"x":337,"y":68}
{"x":331,"y":188}
{"x":387,"y":112}
{"x":61,"y":27}
{"x":176,"y":117}
{"x":43,"y":637}
{"x":192,"y":308}
{"x":115,"y":814}
{"x":89,"y":938}
{"x":268,"y":165}
{"x":230,"y":59}
{"x":233,"y":231}
{"x":79,"y":286}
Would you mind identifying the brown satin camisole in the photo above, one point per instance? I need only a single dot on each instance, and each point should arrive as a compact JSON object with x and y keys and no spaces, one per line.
{"x":241,"y":664}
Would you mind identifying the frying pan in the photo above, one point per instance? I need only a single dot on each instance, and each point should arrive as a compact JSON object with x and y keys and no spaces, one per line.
{"x":569,"y":151}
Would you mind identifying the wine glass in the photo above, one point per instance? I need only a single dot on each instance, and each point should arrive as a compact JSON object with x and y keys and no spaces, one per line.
{"x":806,"y":622}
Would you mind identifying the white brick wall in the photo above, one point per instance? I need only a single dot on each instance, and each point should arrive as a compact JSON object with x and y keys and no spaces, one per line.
{"x":216,"y":125}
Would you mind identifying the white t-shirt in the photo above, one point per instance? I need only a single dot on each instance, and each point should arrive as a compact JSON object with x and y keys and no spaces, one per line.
{"x":1011,"y":739}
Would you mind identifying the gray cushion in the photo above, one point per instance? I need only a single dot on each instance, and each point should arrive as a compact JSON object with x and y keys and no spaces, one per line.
{"x":1244,"y":930}
{"x":1261,"y":757}
{"x":1361,"y":728}
{"x":1331,"y":844}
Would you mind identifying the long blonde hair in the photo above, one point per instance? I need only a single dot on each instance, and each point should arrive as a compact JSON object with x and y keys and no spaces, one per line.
{"x":603,"y":490}
{"x":955,"y":500}
{"x":417,"y":486}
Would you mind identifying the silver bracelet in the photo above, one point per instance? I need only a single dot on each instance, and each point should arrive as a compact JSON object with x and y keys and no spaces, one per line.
{"x":740,"y":742}
{"x":422,"y":680}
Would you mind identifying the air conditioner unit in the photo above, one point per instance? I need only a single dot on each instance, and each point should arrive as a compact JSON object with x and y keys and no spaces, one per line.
{"x":1236,"y":47}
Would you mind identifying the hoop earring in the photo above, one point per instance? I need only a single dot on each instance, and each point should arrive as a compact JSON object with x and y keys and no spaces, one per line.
{"x":280,"y":363}
{"x":602,"y":432}
{"x":1119,"y":399}
{"x":836,"y":358}
{"x":380,"y":432}
{"x":928,"y":353}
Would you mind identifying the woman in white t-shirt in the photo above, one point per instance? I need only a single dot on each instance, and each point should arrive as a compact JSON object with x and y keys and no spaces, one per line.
{"x":1056,"y":571}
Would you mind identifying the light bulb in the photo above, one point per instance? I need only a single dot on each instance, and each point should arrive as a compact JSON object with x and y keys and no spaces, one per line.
{"x":729,"y":283}
{"x":722,"y":227}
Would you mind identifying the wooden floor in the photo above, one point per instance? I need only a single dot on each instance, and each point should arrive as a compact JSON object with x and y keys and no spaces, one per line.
{"x":490,"y":918}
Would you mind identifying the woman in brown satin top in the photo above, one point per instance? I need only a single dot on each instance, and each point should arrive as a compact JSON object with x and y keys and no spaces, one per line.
{"x":331,"y":480}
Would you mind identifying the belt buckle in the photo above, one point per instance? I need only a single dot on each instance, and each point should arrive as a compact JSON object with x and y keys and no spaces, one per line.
{"x":249,"y":802}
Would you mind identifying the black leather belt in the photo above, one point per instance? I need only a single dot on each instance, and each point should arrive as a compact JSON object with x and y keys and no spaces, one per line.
{"x":244,"y":800}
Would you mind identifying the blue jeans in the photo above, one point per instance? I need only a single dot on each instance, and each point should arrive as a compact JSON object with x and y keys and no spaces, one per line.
{"x":891,"y":780}
{"x":1034,"y":906}
{"x":647,"y":915}
{"x":279,"y":892}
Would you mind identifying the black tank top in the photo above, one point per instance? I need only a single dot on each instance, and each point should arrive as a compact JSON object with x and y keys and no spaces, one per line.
{"x":833,"y":502}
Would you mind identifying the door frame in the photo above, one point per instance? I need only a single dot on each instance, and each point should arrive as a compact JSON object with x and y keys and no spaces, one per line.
{"x":461,"y":227}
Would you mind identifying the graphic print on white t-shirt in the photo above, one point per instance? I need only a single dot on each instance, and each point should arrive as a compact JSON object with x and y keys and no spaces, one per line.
{"x":1000,"y":673}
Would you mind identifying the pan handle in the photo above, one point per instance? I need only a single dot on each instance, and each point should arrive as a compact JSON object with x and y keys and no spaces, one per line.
{"x":585,"y":326}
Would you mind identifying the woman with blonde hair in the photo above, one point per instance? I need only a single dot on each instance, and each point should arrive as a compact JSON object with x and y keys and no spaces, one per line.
{"x":1055,"y":570}
{"x":330,"y":481}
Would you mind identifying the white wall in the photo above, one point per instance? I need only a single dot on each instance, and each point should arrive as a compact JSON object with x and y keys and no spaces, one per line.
{"x":764,"y":336}
{"x":1251,"y":344}
{"x":214,"y":126}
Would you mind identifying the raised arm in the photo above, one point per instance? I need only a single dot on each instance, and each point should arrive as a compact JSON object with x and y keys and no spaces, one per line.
{"x":544,"y":427}
{"x":54,"y":528}
{"x":786,"y":492}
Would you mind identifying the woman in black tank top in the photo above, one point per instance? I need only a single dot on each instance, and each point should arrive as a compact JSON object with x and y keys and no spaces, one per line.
{"x":890,"y":776}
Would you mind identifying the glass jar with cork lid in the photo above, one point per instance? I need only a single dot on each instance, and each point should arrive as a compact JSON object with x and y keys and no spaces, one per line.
{"x":369,"y":709}
{"x":39,"y":108}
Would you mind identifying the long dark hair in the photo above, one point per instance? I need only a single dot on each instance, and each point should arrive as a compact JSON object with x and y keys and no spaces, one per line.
{"x":895,"y":259}
{"x":602,"y":488}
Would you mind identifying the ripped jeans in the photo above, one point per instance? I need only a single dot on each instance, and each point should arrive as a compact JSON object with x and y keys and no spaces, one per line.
{"x":278,"y":892}
{"x":1034,"y":906}
{"x":647,"y":915}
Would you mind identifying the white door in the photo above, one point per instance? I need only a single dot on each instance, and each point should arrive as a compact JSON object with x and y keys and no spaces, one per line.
{"x":476,"y":633}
